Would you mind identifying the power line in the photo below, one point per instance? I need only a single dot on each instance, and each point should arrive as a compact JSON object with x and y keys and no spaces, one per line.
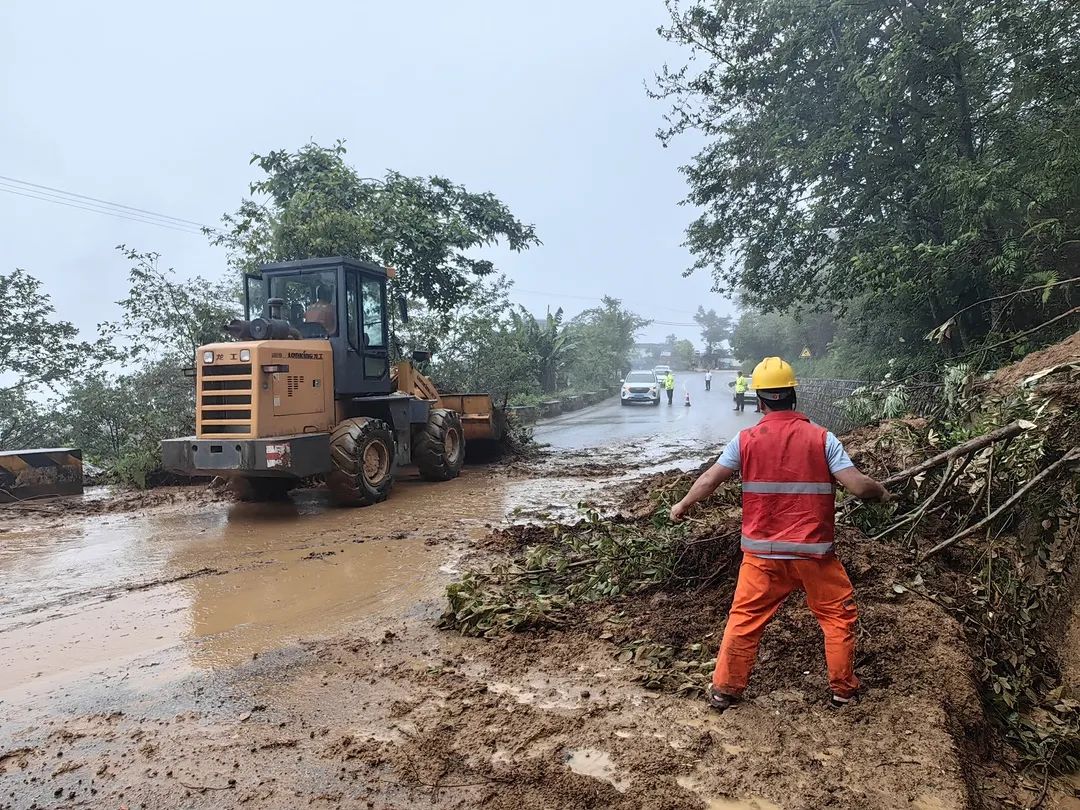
{"x":116,"y":214}
{"x":97,"y":205}
{"x":133,"y":208}
{"x":599,"y":298}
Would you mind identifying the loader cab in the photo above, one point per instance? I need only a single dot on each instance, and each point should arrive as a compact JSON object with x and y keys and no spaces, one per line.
{"x":340,"y":300}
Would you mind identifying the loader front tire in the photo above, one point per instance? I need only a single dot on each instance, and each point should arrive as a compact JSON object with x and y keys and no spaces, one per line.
{"x":361,"y":462}
{"x":439,"y":446}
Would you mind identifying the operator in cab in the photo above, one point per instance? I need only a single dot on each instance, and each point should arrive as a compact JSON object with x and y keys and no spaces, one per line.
{"x":321,"y":310}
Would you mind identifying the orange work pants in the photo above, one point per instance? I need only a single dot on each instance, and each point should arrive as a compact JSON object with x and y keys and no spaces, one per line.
{"x":763,"y":585}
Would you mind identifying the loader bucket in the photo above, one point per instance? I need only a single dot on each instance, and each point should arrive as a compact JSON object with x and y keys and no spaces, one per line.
{"x":480,"y":419}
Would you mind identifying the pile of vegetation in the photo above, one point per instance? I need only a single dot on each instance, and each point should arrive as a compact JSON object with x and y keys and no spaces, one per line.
{"x":983,"y":532}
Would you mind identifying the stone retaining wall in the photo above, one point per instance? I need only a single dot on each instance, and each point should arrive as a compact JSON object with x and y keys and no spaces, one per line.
{"x":530,"y":413}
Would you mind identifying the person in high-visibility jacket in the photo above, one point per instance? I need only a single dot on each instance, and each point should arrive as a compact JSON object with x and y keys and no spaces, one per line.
{"x":669,"y":386}
{"x":740,"y":391}
{"x":789,"y":468}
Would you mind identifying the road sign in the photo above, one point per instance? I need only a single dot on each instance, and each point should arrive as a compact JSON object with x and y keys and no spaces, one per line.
{"x":805,"y":353}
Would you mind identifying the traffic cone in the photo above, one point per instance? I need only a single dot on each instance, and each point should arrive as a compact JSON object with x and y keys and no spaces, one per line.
{"x":687,"y":403}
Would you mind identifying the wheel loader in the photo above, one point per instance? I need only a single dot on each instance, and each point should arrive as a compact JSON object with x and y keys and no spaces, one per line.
{"x":306,"y":388}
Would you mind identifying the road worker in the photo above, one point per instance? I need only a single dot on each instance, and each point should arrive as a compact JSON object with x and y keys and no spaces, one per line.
{"x":708,"y":379}
{"x":740,"y":391}
{"x":669,"y":386}
{"x":789,"y":469}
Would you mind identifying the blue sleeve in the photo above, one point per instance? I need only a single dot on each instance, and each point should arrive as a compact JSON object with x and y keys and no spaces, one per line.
{"x":836,"y":455}
{"x":730,"y":457}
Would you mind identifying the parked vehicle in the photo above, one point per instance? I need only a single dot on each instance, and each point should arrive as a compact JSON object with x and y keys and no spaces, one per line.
{"x":641,"y":386}
{"x":660,"y":371}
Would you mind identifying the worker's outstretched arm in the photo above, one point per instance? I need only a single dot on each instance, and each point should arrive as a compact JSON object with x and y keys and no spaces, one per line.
{"x":705,"y":486}
{"x":862,"y":486}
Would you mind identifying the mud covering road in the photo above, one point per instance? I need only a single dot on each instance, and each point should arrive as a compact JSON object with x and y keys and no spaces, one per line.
{"x":177,"y":648}
{"x":188,"y":651}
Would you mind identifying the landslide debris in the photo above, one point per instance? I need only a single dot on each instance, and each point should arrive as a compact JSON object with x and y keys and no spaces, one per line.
{"x":963,"y":583}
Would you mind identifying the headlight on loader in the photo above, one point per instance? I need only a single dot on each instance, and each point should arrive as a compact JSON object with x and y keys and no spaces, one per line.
{"x":245,"y":356}
{"x":208,"y":357}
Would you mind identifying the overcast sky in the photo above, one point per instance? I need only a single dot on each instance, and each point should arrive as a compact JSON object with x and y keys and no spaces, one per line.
{"x":161,"y":107}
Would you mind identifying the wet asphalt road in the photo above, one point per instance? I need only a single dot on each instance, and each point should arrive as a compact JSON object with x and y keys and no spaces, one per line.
{"x":710,"y":417}
{"x":198,"y":585}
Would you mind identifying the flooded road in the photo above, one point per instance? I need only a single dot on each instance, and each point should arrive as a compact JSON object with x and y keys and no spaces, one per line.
{"x":188,"y":651}
{"x":197,"y":586}
{"x":208,"y":583}
{"x":709,"y":419}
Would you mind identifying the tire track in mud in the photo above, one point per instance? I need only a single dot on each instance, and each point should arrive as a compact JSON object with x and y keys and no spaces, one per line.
{"x":100,"y":595}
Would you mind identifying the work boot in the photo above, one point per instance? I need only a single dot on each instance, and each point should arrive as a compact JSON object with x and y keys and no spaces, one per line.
{"x":720,"y":701}
{"x":837,"y":702}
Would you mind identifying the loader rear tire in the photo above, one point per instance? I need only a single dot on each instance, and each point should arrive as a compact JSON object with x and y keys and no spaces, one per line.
{"x":361,"y":462}
{"x":439,"y":446}
{"x":261,"y":489}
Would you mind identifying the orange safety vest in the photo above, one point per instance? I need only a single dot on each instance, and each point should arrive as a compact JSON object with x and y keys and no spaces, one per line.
{"x":789,"y":495}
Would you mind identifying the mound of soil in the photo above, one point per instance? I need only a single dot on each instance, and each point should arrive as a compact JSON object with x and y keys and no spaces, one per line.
{"x":1066,"y":351}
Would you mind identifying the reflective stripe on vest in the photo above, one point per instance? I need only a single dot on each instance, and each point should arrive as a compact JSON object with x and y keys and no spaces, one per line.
{"x":764,"y":547}
{"x":794,"y":487}
{"x":788,"y":490}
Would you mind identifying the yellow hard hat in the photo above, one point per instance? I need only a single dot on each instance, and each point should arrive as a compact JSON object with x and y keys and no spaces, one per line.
{"x":773,"y":372}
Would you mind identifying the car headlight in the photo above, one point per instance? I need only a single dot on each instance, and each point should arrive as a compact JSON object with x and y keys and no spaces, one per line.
{"x":208,"y":357}
{"x":245,"y":356}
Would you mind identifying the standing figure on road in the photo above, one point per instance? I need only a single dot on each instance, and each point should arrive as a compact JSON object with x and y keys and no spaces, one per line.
{"x":669,"y":386}
{"x":790,"y":468}
{"x":708,"y":379}
{"x":740,"y":392}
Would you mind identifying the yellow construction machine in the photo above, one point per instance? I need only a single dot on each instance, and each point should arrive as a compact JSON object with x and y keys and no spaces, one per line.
{"x":306,"y":388}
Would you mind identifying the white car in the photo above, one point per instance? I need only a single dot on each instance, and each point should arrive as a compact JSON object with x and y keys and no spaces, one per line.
{"x":660,"y":371}
{"x":641,"y":386}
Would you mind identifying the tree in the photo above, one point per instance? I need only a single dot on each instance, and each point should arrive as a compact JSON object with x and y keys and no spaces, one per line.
{"x":119,"y":419}
{"x":683,"y":353}
{"x":715,"y":329}
{"x":27,"y":421}
{"x":603,"y":337}
{"x":37,"y":351}
{"x":164,"y":316}
{"x":476,"y":346}
{"x":35,"y":348}
{"x":429,"y":229}
{"x":882,"y":160}
{"x":548,"y":344}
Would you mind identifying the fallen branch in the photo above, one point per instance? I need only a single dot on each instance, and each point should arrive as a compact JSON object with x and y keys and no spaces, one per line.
{"x":970,"y":530}
{"x":1016,"y":337}
{"x":964,"y":449}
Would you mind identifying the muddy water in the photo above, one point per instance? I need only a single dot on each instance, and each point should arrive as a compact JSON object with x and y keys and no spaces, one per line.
{"x":165,"y":591}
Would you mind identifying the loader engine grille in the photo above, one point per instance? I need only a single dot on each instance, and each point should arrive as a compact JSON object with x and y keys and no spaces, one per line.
{"x":224,"y":400}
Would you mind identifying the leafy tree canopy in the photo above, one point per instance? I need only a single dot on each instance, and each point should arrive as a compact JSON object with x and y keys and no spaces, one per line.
{"x":36,"y":348}
{"x":38,"y":351}
{"x":428,"y":228}
{"x":911,"y":157}
{"x":165,"y":315}
{"x":715,"y":329}
{"x":604,"y":339}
